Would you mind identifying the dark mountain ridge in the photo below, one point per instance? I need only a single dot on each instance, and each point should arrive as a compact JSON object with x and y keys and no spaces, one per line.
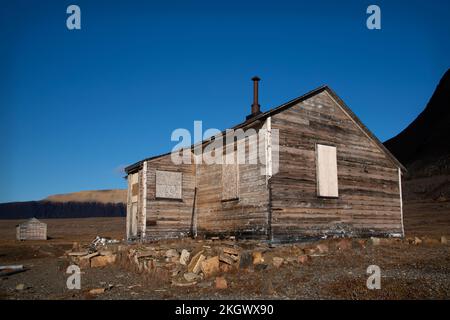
{"x":424,"y":146}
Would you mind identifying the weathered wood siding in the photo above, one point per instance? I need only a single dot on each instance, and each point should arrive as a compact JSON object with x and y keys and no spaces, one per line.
{"x":244,"y":217}
{"x":169,"y":218}
{"x":368,"y":201}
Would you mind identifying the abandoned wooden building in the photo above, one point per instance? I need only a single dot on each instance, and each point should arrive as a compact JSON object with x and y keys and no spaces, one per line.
{"x":333,"y":178}
{"x":31,"y":229}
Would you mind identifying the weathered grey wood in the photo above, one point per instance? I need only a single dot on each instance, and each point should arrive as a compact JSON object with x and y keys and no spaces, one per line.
{"x":241,"y":200}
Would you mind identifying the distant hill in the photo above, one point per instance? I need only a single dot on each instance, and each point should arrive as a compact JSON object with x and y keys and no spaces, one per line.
{"x":99,"y":196}
{"x":424,"y":146}
{"x":83,"y":204}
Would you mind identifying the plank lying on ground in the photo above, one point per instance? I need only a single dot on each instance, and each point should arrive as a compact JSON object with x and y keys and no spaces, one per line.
{"x":12,"y":267}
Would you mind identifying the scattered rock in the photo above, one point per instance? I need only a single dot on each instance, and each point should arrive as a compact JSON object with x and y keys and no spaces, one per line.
{"x":221,"y":283}
{"x":323,"y":248}
{"x":84,"y":263}
{"x":260,"y":266}
{"x":375,"y":241}
{"x":344,"y":244}
{"x":431,"y":241}
{"x":190,"y":277}
{"x":225,"y":267}
{"x":309,"y":250}
{"x":97,"y":291}
{"x":443,"y":240}
{"x":171,"y":253}
{"x":277,"y":262}
{"x":20,"y":287}
{"x":184,"y":257}
{"x":417,"y":240}
{"x":194,"y":265}
{"x":302,"y":259}
{"x":362,"y":243}
{"x":257,"y":257}
{"x":268,"y":287}
{"x":176,"y":272}
{"x":105,"y":252}
{"x":102,"y":261}
{"x":210,"y":266}
{"x":245,"y":260}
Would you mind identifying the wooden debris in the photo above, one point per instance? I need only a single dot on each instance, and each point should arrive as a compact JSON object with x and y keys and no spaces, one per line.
{"x":231,"y":251}
{"x":78,"y":253}
{"x":226,"y":259}
{"x":87,"y":257}
{"x":194,"y":265}
{"x":12,"y":267}
{"x":144,"y":254}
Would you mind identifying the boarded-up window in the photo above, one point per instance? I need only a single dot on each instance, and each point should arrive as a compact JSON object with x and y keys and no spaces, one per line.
{"x":230,"y":181}
{"x":134,"y":182}
{"x":168,"y":184}
{"x":135,"y":189}
{"x":326,"y":165}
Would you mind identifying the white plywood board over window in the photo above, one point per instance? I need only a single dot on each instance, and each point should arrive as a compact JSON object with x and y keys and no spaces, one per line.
{"x":168,"y":184}
{"x":326,"y":166}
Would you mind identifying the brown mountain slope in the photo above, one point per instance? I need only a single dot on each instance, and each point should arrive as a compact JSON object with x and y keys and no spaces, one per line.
{"x":99,"y":196}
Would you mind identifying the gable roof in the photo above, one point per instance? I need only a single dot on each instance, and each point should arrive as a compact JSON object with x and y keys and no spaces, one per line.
{"x":287,"y":105}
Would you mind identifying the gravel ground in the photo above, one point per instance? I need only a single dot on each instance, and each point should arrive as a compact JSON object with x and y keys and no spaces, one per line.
{"x":407,"y":272}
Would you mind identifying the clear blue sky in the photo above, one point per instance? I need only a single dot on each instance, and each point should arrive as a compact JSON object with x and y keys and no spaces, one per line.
{"x":76,"y":106}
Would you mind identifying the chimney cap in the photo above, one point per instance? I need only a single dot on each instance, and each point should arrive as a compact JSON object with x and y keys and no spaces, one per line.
{"x":256,"y":78}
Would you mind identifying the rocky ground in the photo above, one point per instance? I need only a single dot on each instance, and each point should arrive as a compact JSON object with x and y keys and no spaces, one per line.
{"x":412,"y":268}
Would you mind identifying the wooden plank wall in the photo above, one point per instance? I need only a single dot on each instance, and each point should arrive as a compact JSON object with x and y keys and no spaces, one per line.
{"x":246,"y":217}
{"x":369,"y":200}
{"x":169,"y":218}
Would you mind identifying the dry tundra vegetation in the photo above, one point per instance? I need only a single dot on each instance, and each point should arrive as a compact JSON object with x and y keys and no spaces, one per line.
{"x":417,"y":267}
